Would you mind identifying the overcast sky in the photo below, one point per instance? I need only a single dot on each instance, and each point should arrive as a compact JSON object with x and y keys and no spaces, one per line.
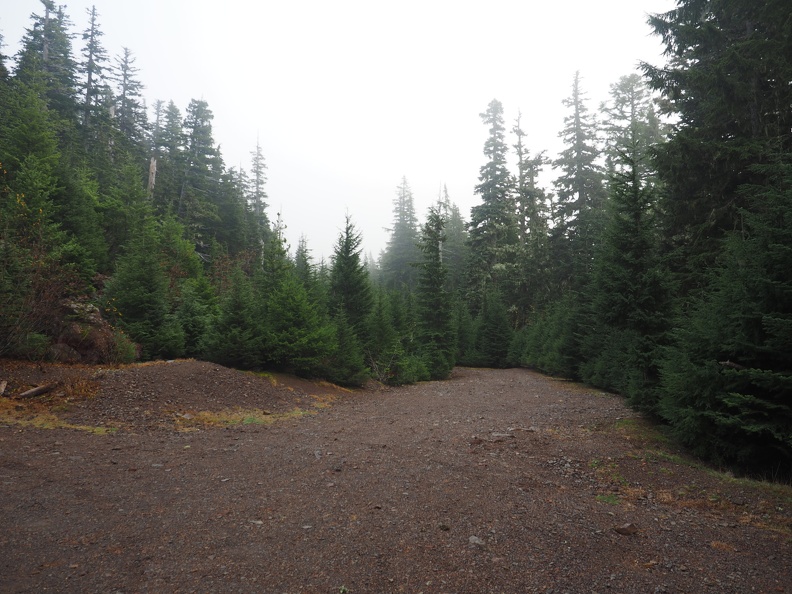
{"x":347,"y":96}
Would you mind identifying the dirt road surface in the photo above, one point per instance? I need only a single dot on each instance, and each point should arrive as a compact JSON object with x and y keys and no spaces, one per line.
{"x":189,"y":477}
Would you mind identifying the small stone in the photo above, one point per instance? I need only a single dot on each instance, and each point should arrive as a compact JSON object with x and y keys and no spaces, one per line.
{"x":475,"y":540}
{"x":626,"y":529}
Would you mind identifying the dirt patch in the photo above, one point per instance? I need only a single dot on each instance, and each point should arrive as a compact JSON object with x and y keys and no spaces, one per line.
{"x":189,"y":477}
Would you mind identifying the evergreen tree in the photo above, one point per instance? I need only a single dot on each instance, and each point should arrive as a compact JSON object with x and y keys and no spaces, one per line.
{"x":202,"y":169}
{"x":169,"y":157}
{"x":124,"y":206}
{"x":350,"y":289}
{"x":3,"y":67}
{"x":234,"y":338}
{"x":727,"y":169}
{"x":401,"y":252}
{"x":258,"y":195}
{"x":130,"y":111}
{"x":77,"y":199}
{"x":577,"y":213}
{"x":346,"y":365}
{"x":455,"y":248}
{"x":531,"y":201}
{"x":45,"y":61}
{"x":196,"y":312}
{"x":493,"y":234}
{"x":177,"y":256}
{"x":383,"y":348}
{"x":35,"y":275}
{"x":310,"y":275}
{"x":552,"y":341}
{"x":627,"y":297}
{"x":632,"y":129}
{"x":465,"y":333}
{"x":725,"y":84}
{"x":436,"y":332}
{"x":304,"y":267}
{"x":298,"y":339}
{"x":493,"y":332}
{"x":93,"y":68}
{"x":275,"y":263}
{"x":532,"y":278}
{"x":235,"y":229}
{"x":137,"y":298}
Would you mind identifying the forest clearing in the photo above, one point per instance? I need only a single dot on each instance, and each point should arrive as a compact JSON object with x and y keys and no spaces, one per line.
{"x":187,"y":476}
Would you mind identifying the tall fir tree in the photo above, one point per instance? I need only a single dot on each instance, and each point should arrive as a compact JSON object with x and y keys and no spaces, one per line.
{"x":298,"y":338}
{"x":577,"y":211}
{"x":727,"y":169}
{"x":723,"y":82}
{"x":455,"y":247}
{"x":46,"y":59}
{"x":196,"y":206}
{"x":435,"y":316}
{"x":493,"y":235}
{"x":401,"y":251}
{"x":169,"y":156}
{"x":257,"y":196}
{"x":45,"y":66}
{"x":93,"y":68}
{"x":235,"y":338}
{"x":628,"y":297}
{"x":494,"y":333}
{"x":350,"y":288}
{"x":311,"y":275}
{"x":137,"y":296}
{"x":35,"y":254}
{"x":532,"y":279}
{"x":3,"y":58}
{"x":130,"y":110}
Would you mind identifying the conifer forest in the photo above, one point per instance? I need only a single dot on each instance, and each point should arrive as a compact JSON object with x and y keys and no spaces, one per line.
{"x":657,"y":264}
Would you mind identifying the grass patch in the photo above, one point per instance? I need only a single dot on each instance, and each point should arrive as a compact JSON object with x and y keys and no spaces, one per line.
{"x":230,"y":417}
{"x":40,"y":412}
{"x":642,"y":430}
{"x":610,"y":499}
{"x":326,"y":384}
{"x":266,"y":375}
{"x":36,"y":416}
{"x":608,"y":471}
{"x":324,"y":400}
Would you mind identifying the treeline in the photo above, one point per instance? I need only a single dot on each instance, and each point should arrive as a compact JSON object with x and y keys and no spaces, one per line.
{"x":659,"y":264}
{"x":124,"y":235}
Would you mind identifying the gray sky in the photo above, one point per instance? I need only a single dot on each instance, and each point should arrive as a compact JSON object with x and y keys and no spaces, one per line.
{"x":348,"y":96}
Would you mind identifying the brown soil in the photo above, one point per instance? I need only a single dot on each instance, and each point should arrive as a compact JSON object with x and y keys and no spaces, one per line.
{"x":189,"y":477}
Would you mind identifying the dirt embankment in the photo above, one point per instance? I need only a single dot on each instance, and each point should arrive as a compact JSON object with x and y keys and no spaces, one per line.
{"x":189,"y":477}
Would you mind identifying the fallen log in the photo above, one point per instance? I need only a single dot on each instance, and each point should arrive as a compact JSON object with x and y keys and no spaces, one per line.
{"x":38,"y":391}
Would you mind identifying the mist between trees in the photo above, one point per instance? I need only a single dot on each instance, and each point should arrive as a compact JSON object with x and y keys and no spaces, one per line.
{"x":658,"y":265}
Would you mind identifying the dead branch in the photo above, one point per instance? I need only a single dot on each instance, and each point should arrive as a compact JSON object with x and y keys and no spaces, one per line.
{"x":38,"y":391}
